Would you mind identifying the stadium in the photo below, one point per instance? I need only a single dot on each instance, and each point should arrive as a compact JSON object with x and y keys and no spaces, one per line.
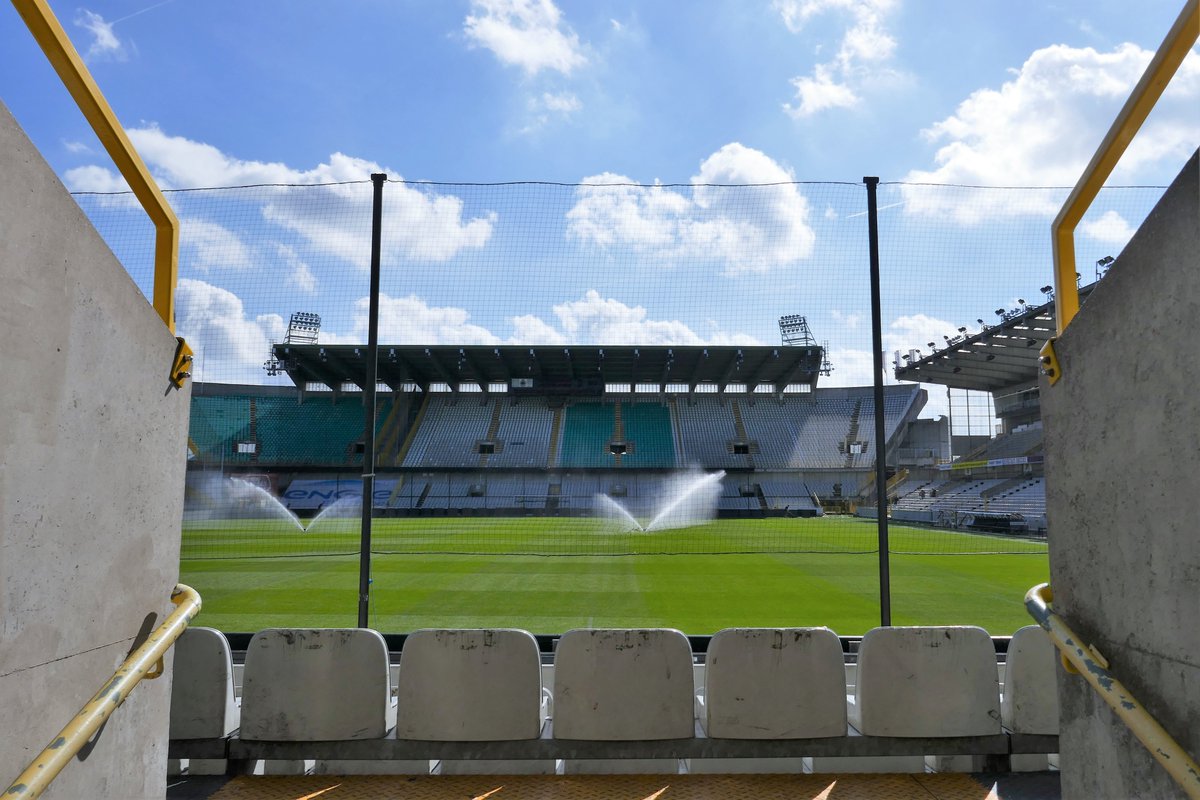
{"x":525,"y":454}
{"x":559,"y":497}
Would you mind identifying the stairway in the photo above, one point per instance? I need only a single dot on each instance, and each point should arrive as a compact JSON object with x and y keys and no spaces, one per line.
{"x":852,"y":435}
{"x":493,"y":430}
{"x":618,"y":431}
{"x":740,"y":428}
{"x":254,"y":429}
{"x":555,"y":435}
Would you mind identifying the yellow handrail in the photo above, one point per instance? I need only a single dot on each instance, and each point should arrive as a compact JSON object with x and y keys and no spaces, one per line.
{"x":62,"y":55}
{"x":144,"y":662}
{"x":1087,"y":662}
{"x":1162,"y":68}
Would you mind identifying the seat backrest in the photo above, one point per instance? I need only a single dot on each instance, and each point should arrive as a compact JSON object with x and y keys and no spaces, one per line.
{"x":202,"y":701}
{"x":620,"y":684}
{"x":775,"y":683}
{"x":469,"y":686}
{"x":927,"y":681}
{"x":1030,"y":702}
{"x":325,"y":684}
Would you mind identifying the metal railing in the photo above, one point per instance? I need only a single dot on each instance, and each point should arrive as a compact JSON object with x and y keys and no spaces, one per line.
{"x":146,"y":662}
{"x":65,"y":59}
{"x":1162,"y":68}
{"x":1088,"y":662}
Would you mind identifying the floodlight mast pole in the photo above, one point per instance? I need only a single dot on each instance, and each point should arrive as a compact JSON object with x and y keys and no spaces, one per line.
{"x":370,"y":408}
{"x":881,"y":505}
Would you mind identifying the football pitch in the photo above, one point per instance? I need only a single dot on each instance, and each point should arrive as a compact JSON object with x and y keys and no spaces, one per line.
{"x":548,"y":575}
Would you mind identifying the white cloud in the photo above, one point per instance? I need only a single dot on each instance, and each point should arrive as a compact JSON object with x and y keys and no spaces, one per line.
{"x":420,"y":224}
{"x":598,"y":320}
{"x":562,"y":103}
{"x":591,"y":320}
{"x":205,"y":245}
{"x":916,"y":331}
{"x":1041,"y":128}
{"x":76,"y":148}
{"x":820,"y":92}
{"x":228,"y":346}
{"x":94,"y":179}
{"x":850,"y":320}
{"x":530,"y":329}
{"x":745,"y":230}
{"x":300,"y":274}
{"x":851,"y":368}
{"x":529,"y":34}
{"x":1111,"y":228}
{"x":411,"y":320}
{"x":547,"y":107}
{"x":105,"y":44}
{"x":865,"y":48}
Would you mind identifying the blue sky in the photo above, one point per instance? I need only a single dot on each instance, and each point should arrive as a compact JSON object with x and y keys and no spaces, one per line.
{"x":928,"y":91}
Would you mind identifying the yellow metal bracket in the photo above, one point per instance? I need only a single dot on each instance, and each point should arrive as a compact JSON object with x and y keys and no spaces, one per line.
{"x":156,"y":671}
{"x":181,"y":366}
{"x":1049,"y":362}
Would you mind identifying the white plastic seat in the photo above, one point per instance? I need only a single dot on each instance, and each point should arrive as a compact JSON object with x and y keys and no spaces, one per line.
{"x":772,"y":683}
{"x":922,"y":682}
{"x":202,"y":698}
{"x":203,"y":705}
{"x":1029,"y":703}
{"x":623,"y":685}
{"x":927,"y":681}
{"x":472,"y":686}
{"x":323,"y":684}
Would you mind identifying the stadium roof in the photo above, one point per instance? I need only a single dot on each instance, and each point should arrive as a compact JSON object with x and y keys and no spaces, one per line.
{"x":552,"y":368}
{"x":998,"y":358}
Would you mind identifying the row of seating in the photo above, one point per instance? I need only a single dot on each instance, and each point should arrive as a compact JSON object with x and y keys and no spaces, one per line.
{"x":781,"y":692}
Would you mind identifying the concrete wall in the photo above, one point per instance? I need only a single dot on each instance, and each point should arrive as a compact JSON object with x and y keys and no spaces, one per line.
{"x":1123,"y":475}
{"x":91,"y":485}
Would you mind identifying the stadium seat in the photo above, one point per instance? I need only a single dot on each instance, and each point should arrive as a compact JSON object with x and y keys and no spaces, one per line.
{"x":202,"y":696}
{"x":618,"y":685}
{"x":772,"y":683}
{"x":925,"y":681}
{"x":1029,"y":703}
{"x":324,"y":684}
{"x":472,"y":686}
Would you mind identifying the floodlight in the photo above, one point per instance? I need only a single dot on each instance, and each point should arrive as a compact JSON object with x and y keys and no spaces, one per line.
{"x":999,"y":312}
{"x":1047,"y":289}
{"x":962,"y":330}
{"x":929,"y":344}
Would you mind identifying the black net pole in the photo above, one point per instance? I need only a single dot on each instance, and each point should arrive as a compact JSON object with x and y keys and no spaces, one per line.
{"x":369,"y":401}
{"x":881,"y":504}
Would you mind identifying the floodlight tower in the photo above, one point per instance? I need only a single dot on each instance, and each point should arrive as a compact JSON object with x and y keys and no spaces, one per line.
{"x":303,"y":328}
{"x":794,"y":331}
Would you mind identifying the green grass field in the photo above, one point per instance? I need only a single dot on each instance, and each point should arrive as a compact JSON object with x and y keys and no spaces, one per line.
{"x":548,"y":575}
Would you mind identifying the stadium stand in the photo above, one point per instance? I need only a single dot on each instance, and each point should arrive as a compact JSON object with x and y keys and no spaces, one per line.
{"x":260,"y":425}
{"x":588,"y":429}
{"x":450,"y":432}
{"x":331,"y":429}
{"x":217,"y":425}
{"x":524,"y":434}
{"x":706,"y":429}
{"x":647,"y":432}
